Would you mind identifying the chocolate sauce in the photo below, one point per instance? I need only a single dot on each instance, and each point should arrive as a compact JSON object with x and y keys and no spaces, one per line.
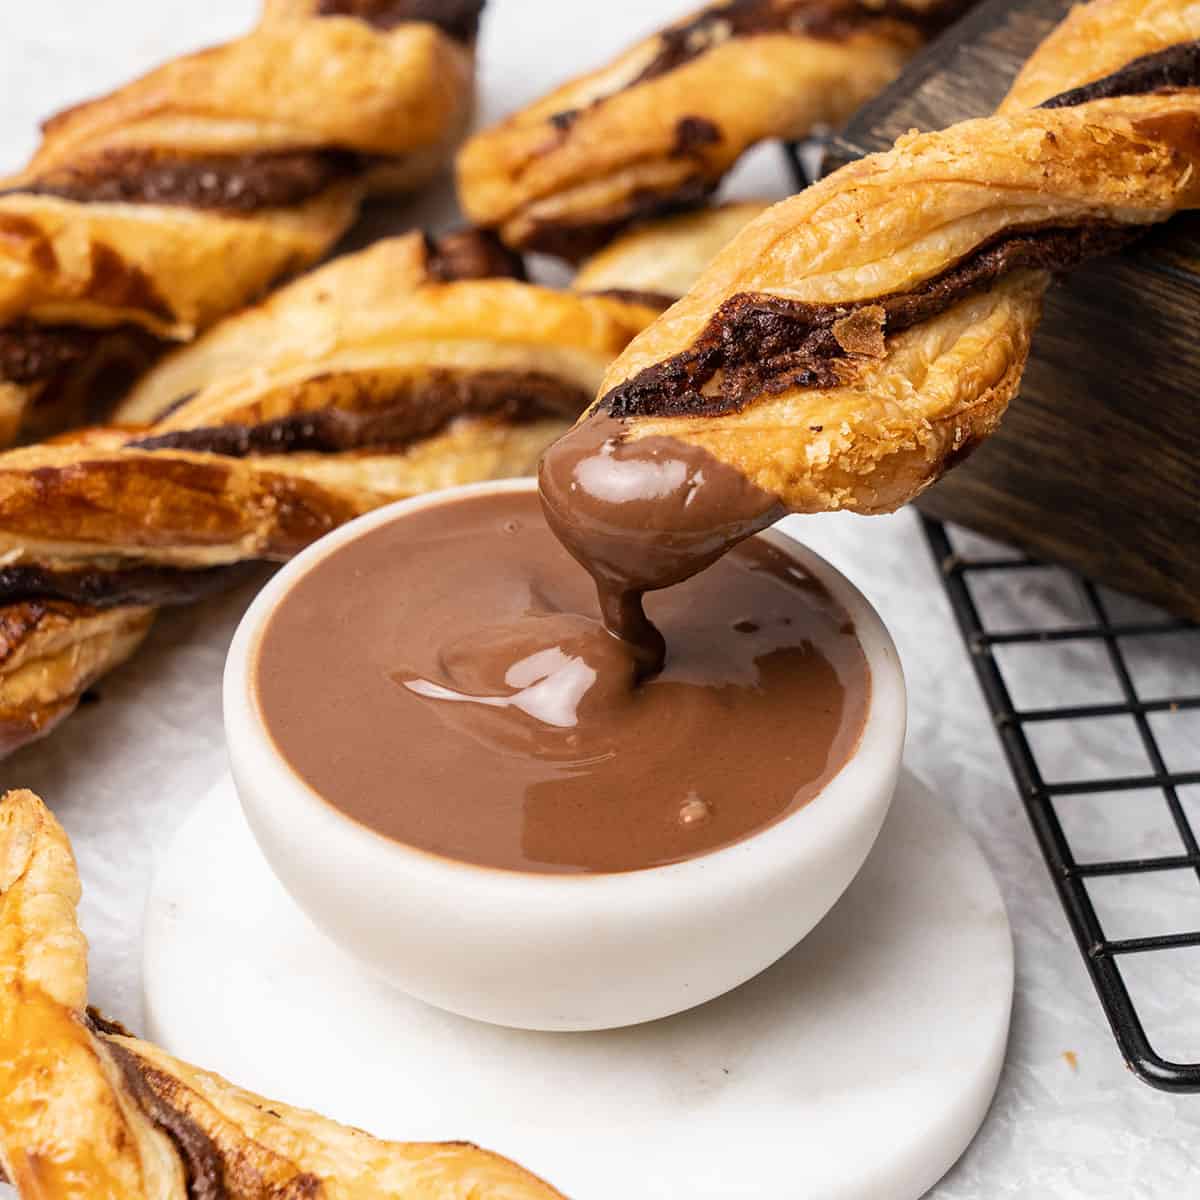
{"x":108,"y":587}
{"x":644,"y":514}
{"x":445,"y":680}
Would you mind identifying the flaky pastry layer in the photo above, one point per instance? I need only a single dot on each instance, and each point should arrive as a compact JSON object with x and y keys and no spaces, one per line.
{"x":88,"y":1112}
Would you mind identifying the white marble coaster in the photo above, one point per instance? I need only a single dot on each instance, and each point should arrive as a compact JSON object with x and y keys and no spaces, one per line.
{"x":857,"y":1068}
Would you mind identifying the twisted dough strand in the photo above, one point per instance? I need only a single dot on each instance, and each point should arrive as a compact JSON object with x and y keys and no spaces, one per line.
{"x":88,"y":1112}
{"x":858,"y":339}
{"x":147,"y":214}
{"x":657,"y":129}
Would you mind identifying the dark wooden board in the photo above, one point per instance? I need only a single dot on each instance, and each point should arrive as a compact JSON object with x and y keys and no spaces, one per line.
{"x":1097,"y":463}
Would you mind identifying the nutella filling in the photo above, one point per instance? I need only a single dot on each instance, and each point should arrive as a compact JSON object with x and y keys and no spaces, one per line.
{"x":632,"y":296}
{"x":99,"y":587}
{"x":643,"y":514}
{"x":424,"y":407}
{"x":760,"y":343}
{"x":466,"y":699}
{"x":832,"y":20}
{"x":241,"y":183}
{"x":458,"y":18}
{"x":152,"y":1091}
{"x":32,"y":353}
{"x":1175,"y":67}
{"x":576,"y":240}
{"x":471,"y":254}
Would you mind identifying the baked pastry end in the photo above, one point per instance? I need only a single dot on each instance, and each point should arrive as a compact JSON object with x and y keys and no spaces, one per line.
{"x":88,"y":1112}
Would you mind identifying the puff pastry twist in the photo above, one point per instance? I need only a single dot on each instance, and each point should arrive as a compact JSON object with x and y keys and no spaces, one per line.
{"x":381,"y":375}
{"x":658,"y":128}
{"x":860,"y":338}
{"x":147,"y":214}
{"x":88,"y":1112}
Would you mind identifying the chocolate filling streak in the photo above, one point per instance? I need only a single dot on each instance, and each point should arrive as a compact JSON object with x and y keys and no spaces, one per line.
{"x":577,"y":240}
{"x":631,"y":296}
{"x":692,"y":133}
{"x":91,"y":368}
{"x":241,"y":183}
{"x":419,"y":410}
{"x":759,"y":343}
{"x":458,"y":18}
{"x":471,"y":254}
{"x":97,"y":587}
{"x":1175,"y":67}
{"x":208,"y":1173}
{"x":833,"y":20}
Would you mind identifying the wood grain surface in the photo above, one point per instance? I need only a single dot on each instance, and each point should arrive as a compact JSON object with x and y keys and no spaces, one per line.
{"x":1097,"y":464}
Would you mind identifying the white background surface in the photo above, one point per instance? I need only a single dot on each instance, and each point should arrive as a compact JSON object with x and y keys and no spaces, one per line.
{"x":123,"y":773}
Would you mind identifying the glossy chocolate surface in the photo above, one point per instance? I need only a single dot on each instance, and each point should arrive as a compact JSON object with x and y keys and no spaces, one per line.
{"x":446,"y":680}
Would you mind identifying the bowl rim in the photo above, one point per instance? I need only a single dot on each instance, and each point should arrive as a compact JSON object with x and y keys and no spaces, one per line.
{"x":871,"y":767}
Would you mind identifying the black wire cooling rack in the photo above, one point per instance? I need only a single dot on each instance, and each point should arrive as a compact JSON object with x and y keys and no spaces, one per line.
{"x":1159,"y":841}
{"x":1155,"y":798}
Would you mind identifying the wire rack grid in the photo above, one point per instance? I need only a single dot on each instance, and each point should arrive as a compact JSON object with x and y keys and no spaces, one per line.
{"x":1146,"y":795}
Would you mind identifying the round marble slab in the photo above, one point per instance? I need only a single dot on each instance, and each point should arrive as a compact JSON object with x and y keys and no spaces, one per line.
{"x":859,"y":1067}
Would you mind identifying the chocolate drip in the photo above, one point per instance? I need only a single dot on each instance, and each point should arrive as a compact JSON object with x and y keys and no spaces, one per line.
{"x":760,"y":343}
{"x":1175,"y":67}
{"x":98,"y":587}
{"x":240,"y":183}
{"x":458,"y":18}
{"x":471,"y":254}
{"x":420,"y":409}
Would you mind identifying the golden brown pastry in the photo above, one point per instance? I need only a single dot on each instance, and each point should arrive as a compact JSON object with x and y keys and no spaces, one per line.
{"x":88,"y":1112}
{"x":657,"y":129}
{"x":857,"y":340}
{"x":381,"y":375}
{"x":147,"y":214}
{"x":660,"y":260}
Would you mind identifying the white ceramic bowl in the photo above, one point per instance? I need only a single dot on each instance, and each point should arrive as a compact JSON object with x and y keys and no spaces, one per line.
{"x":562,"y":952}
